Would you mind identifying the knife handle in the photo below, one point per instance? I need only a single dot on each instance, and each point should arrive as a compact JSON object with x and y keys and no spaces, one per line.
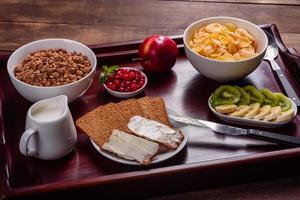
{"x":287,"y":87}
{"x":275,"y":137}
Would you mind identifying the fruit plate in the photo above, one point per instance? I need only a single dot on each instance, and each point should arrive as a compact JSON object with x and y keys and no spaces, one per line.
{"x":253,"y":122}
{"x":214,"y":159}
{"x":158,"y":158}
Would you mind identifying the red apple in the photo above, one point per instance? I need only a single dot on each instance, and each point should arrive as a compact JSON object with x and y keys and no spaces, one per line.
{"x":158,"y":54}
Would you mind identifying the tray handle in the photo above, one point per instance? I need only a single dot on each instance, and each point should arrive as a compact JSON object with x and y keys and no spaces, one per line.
{"x":290,"y":54}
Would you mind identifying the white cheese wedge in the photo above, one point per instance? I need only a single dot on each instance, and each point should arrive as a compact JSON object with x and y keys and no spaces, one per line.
{"x":155,"y":131}
{"x":131,"y":147}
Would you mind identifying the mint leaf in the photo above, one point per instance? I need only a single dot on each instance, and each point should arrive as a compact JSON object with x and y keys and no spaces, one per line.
{"x":107,"y":71}
{"x":111,"y":69}
{"x":104,"y":68}
{"x":102,"y":78}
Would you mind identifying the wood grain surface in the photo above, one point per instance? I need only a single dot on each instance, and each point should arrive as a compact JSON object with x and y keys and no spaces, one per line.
{"x":94,"y":22}
{"x":275,"y":2}
{"x":106,"y":21}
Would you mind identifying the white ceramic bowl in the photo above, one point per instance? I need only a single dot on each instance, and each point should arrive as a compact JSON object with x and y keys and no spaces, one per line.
{"x":225,"y":70}
{"x":36,"y":93}
{"x":125,"y":95}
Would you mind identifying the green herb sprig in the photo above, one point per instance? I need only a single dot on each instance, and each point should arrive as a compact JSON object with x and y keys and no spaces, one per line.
{"x":107,"y":71}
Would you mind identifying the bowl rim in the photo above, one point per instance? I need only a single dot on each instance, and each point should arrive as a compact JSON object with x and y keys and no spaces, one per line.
{"x":128,"y":93}
{"x":225,"y":17}
{"x":46,"y":40}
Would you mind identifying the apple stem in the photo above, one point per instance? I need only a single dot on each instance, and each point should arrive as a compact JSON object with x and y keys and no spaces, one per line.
{"x":137,"y":59}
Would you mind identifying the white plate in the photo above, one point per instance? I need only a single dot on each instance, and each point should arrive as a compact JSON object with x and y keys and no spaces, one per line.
{"x":252,"y":122}
{"x":158,"y":158}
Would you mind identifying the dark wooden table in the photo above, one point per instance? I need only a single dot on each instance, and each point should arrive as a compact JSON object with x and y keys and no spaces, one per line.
{"x":97,"y":22}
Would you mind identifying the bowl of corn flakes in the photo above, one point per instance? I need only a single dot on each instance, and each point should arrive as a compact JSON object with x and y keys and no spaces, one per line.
{"x":224,"y":48}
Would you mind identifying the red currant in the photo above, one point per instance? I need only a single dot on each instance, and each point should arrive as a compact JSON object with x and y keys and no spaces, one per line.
{"x":122,"y":70}
{"x":122,"y":84}
{"x":109,"y":79}
{"x":121,"y":89}
{"x":140,"y":76}
{"x":111,"y":86}
{"x":119,"y":72}
{"x":131,"y":75}
{"x":117,"y":82}
{"x":133,"y":87}
{"x":117,"y":76}
{"x":125,"y":77}
{"x":127,"y":89}
{"x":127,"y":83}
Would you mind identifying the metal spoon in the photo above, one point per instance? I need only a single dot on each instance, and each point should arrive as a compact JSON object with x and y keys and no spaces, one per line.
{"x":271,"y":54}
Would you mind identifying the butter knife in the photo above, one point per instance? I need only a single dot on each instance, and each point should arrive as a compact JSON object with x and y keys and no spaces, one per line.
{"x":235,"y":131}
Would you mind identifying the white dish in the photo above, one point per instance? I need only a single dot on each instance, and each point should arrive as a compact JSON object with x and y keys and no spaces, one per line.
{"x":125,"y":95}
{"x":225,"y":70}
{"x":35,"y":93}
{"x":252,"y":122}
{"x":158,"y":158}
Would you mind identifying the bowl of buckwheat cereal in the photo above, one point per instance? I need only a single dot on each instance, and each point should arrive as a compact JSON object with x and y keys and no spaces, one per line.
{"x":52,"y":67}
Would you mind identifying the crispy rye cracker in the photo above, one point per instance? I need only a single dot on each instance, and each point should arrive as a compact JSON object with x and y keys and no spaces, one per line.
{"x":154,"y":109}
{"x":160,"y":109}
{"x":118,"y":118}
{"x":145,"y":105}
{"x":98,"y":124}
{"x":129,"y":108}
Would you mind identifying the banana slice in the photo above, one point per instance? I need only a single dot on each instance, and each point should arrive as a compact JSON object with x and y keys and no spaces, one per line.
{"x":275,"y":112}
{"x":263,"y":111}
{"x":253,"y":111}
{"x":285,"y":116}
{"x":225,"y":109}
{"x":240,"y":111}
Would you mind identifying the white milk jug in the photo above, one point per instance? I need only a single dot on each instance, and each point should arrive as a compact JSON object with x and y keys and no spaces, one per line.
{"x":50,"y":132}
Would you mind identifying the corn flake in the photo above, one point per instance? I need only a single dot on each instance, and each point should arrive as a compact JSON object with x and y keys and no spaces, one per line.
{"x":223,"y":42}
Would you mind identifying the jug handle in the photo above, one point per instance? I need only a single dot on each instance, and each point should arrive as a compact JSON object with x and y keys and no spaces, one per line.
{"x":23,"y":145}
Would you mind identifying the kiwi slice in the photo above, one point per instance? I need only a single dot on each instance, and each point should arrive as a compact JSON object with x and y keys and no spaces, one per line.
{"x":225,"y":95}
{"x":270,"y":98}
{"x":245,"y":97}
{"x":255,"y":95}
{"x":283,"y":101}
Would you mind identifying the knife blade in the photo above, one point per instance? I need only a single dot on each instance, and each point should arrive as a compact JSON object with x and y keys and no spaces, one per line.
{"x":235,"y":131}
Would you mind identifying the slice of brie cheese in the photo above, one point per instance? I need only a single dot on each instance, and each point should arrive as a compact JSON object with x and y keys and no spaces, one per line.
{"x":131,"y":147}
{"x":155,"y":131}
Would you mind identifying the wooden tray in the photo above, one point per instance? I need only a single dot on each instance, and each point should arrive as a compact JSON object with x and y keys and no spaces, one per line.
{"x":208,"y":160}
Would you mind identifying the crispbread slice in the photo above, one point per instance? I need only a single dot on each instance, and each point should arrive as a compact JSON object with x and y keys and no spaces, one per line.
{"x":129,"y":108}
{"x":145,"y":105}
{"x":154,"y":109}
{"x":95,"y":125}
{"x":118,"y":118}
{"x":160,"y":109}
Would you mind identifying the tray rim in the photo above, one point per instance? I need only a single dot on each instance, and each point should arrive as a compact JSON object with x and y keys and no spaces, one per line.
{"x":125,"y":49}
{"x":177,"y":169}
